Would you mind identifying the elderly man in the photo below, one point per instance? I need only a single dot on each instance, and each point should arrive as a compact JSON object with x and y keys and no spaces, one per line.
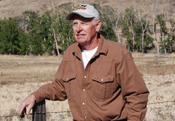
{"x":97,"y":76}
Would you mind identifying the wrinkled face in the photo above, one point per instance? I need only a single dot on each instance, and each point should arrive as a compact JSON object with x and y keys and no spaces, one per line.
{"x":84,"y":29}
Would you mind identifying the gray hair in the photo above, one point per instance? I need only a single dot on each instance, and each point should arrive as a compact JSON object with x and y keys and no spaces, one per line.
{"x":95,"y":21}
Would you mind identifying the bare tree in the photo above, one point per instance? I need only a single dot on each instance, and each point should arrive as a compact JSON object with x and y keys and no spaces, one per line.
{"x":144,"y":27}
{"x":116,"y":28}
{"x":56,"y":42}
{"x":153,"y":11}
{"x":118,"y":33}
{"x":155,"y":35}
{"x":130,"y":19}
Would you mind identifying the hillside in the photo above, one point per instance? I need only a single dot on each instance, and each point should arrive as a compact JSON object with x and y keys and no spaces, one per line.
{"x":13,"y":8}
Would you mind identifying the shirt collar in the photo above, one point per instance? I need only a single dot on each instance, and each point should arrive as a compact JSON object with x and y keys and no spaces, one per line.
{"x":102,"y":48}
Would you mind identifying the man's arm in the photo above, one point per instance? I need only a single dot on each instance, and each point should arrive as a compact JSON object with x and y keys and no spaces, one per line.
{"x":134,"y":90}
{"x":53,"y":91}
{"x":50,"y":91}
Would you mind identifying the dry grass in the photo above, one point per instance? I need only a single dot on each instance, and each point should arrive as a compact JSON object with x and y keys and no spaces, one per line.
{"x":155,"y":64}
{"x":21,"y":75}
{"x":159,"y":74}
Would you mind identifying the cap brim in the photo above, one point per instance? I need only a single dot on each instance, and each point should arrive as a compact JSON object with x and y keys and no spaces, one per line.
{"x":70,"y":15}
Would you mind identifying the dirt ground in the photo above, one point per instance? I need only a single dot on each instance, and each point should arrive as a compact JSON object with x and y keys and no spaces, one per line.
{"x":21,"y":75}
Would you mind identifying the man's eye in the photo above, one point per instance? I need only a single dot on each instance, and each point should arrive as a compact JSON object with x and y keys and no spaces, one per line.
{"x":85,"y":23}
{"x":74,"y":23}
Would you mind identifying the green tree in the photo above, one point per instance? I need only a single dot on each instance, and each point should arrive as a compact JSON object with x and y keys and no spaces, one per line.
{"x":167,"y":40}
{"x":9,"y":43}
{"x":40,"y":35}
{"x":172,"y":23}
{"x":143,"y":40}
{"x":127,"y":23}
{"x":108,"y":19}
{"x":135,"y":30}
{"x":138,"y":36}
{"x":63,"y":29}
{"x":24,"y":43}
{"x":32,"y":20}
{"x":45,"y":30}
{"x":126,"y":33}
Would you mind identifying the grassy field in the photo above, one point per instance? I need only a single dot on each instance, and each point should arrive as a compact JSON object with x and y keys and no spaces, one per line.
{"x":21,"y":75}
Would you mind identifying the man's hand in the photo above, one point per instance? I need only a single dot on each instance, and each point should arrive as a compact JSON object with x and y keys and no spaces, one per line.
{"x":26,"y":105}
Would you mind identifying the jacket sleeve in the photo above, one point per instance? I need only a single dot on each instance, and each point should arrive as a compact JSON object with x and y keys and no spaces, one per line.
{"x":133,"y":87}
{"x":54,"y":90}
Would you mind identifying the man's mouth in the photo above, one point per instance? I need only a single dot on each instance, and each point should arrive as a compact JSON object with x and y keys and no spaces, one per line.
{"x":80,"y":35}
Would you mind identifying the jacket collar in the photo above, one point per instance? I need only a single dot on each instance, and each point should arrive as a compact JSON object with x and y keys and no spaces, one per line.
{"x":102,"y":47}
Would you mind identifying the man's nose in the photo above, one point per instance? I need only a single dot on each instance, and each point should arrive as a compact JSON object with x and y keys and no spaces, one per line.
{"x":79,"y":28}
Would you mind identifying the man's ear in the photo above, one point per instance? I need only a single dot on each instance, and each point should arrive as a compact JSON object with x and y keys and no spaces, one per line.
{"x":98,"y":25}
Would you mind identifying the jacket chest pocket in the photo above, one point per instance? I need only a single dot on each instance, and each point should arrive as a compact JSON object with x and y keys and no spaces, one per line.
{"x":102,"y":87}
{"x":70,"y":84}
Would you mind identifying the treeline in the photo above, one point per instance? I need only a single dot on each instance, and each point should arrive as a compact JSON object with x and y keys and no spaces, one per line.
{"x":50,"y":33}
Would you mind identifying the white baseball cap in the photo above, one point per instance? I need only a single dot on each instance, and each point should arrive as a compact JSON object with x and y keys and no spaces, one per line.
{"x":86,"y":11}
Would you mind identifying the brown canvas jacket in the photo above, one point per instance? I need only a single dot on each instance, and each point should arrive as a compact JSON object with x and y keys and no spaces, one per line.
{"x":109,"y":88}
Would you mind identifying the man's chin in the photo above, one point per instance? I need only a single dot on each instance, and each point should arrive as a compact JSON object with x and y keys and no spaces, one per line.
{"x":80,"y":40}
{"x":82,"y":43}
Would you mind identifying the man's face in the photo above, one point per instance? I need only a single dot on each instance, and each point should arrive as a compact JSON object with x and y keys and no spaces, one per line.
{"x":84,"y":30}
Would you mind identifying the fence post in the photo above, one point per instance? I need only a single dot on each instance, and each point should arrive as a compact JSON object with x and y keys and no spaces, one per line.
{"x":39,"y":111}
